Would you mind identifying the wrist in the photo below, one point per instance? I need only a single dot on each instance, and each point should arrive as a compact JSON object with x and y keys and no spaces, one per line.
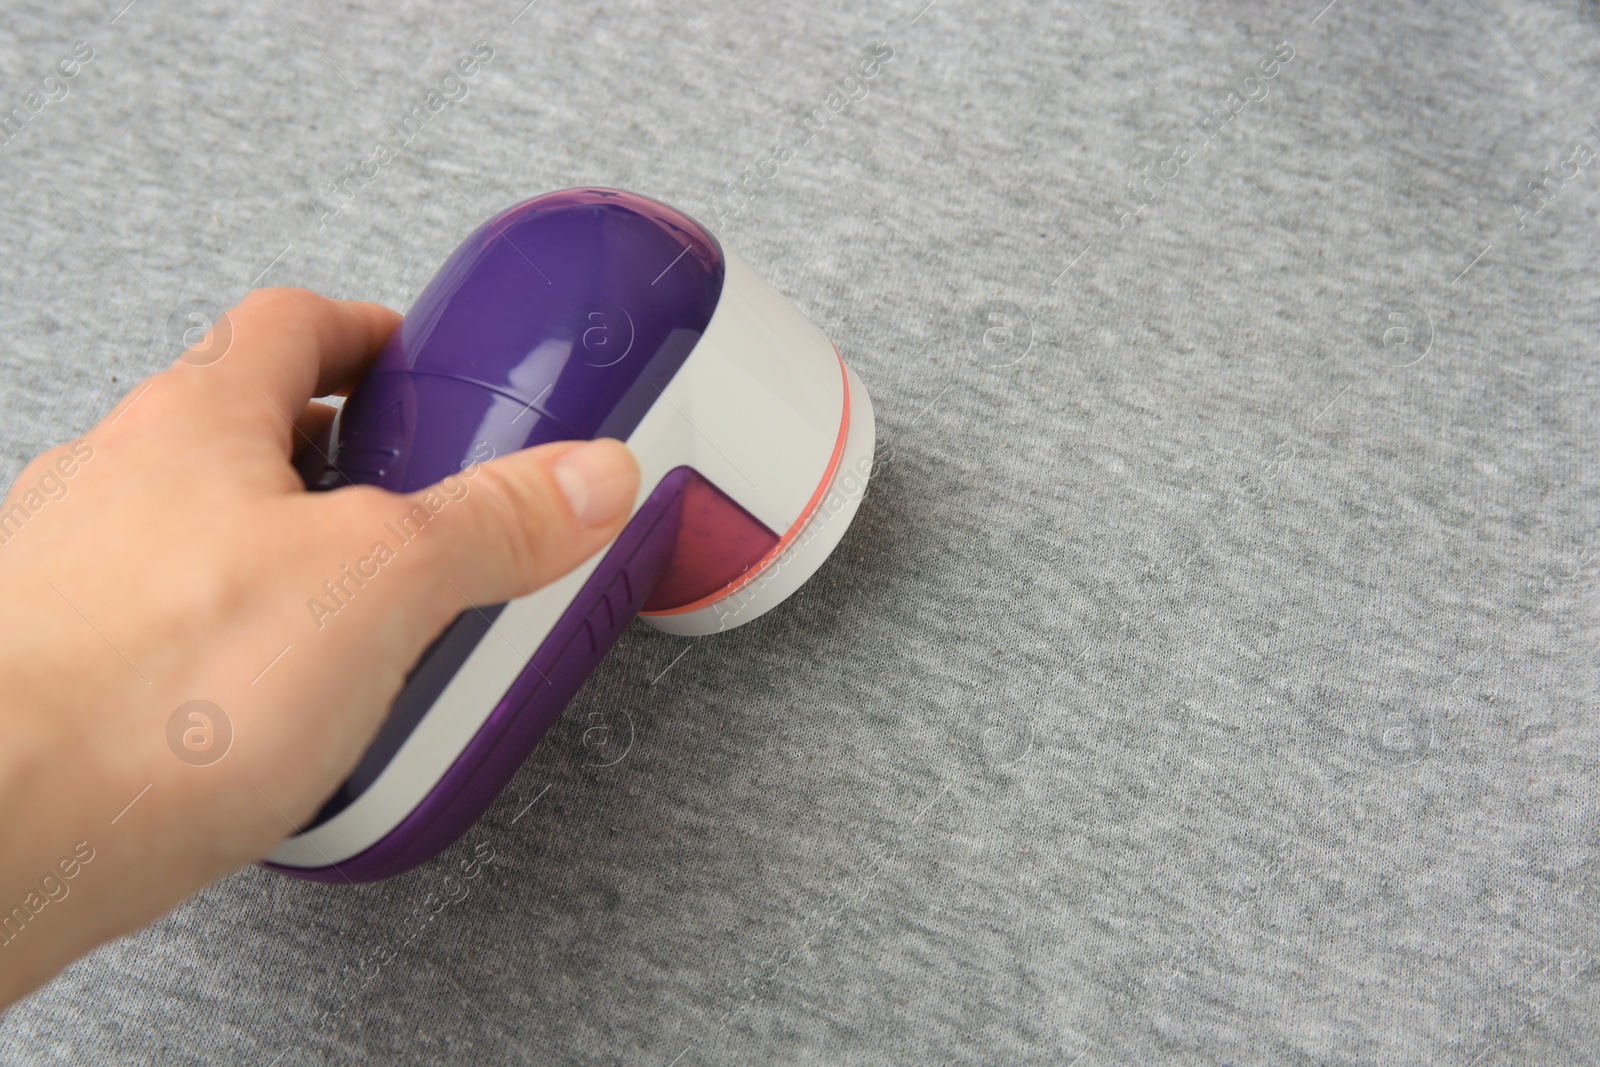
{"x":54,"y":789}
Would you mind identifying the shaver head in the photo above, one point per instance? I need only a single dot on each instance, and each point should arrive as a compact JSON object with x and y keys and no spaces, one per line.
{"x":581,"y":314}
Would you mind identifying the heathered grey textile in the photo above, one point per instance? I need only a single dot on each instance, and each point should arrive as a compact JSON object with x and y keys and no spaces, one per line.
{"x":1210,"y":674}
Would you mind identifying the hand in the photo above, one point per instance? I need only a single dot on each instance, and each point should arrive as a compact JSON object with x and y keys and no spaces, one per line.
{"x":171,"y":554}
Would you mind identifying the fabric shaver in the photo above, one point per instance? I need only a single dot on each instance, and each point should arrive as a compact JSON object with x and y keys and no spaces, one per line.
{"x":582,"y":314}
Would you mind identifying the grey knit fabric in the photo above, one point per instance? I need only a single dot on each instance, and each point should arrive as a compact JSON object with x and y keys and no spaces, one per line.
{"x":1210,"y":673}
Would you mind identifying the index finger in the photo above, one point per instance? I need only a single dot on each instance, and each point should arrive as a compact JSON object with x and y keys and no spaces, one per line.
{"x":289,"y":345}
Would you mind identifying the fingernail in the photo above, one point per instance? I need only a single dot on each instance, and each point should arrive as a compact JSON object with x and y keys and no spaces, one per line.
{"x":599,"y":480}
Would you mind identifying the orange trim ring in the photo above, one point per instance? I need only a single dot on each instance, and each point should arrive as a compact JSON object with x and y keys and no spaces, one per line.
{"x":799,"y":524}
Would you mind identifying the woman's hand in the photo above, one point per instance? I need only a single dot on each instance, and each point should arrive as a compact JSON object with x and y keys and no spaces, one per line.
{"x":172,"y":555}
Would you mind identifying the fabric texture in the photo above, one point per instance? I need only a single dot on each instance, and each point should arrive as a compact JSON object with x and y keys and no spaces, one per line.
{"x":1209,"y":674}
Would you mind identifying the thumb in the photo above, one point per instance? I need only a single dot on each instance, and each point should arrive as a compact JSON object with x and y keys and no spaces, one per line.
{"x":527,"y":518}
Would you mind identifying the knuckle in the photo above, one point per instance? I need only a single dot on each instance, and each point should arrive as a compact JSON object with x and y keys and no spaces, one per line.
{"x":514,"y":514}
{"x":279,"y":298}
{"x":405,"y":522}
{"x":366,"y":512}
{"x":167,"y":392}
{"x":199,"y":596}
{"x":159,"y":391}
{"x":362,"y":503}
{"x":274,"y":312}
